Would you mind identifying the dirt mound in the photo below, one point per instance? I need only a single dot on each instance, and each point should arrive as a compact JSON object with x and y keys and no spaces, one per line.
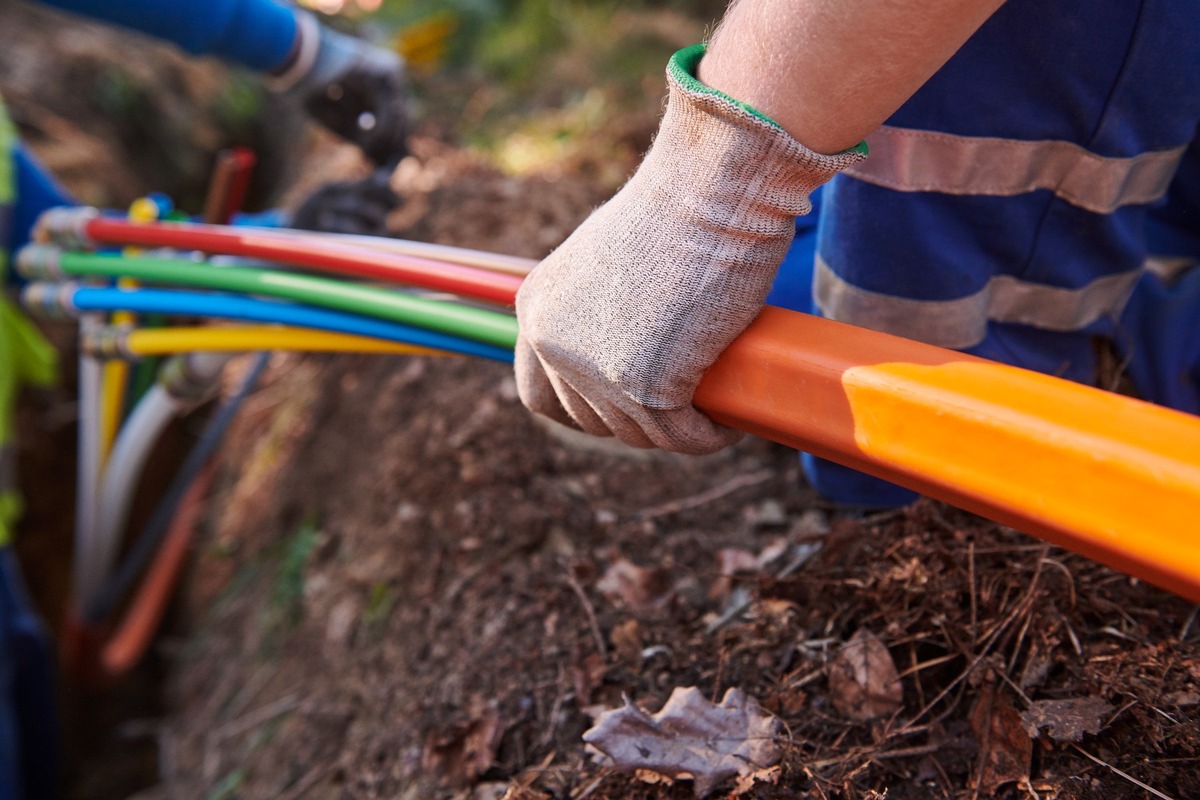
{"x":407,"y":587}
{"x":411,"y":588}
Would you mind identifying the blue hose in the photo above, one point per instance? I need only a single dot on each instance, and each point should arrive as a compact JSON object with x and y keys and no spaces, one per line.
{"x":227,"y":306}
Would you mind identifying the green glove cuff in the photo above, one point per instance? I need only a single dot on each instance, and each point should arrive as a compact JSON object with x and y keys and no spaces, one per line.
{"x":682,"y":69}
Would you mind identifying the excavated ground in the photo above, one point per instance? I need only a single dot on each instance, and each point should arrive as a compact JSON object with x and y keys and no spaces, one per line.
{"x":406,"y":587}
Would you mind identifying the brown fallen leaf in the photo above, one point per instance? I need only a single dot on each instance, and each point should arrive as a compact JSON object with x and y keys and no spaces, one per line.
{"x":689,"y":738}
{"x":745,"y":783}
{"x":1066,"y":720}
{"x":636,"y":588}
{"x":1005,"y":751}
{"x":462,"y":754}
{"x":863,"y":682}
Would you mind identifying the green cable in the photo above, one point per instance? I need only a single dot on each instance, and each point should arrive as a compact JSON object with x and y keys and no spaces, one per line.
{"x":473,"y":323}
{"x":145,"y":372}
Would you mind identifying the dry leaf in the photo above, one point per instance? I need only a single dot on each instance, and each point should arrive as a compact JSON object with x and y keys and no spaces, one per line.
{"x":1005,"y":751}
{"x":863,"y":682}
{"x":732,"y":560}
{"x":689,"y":738}
{"x":463,"y":754}
{"x":746,"y":782}
{"x":634,"y":587}
{"x":626,"y":639}
{"x":1182,"y":699}
{"x":588,"y":673}
{"x":1066,"y":720}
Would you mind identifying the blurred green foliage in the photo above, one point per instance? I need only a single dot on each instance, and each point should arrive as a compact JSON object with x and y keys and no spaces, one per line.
{"x":528,"y":81}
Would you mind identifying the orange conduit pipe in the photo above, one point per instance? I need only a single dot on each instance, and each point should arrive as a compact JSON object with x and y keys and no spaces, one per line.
{"x":98,"y":658}
{"x":1107,"y":476}
{"x":1111,"y":478}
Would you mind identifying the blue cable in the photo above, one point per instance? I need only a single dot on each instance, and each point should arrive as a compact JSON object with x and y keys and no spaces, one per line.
{"x":227,"y":306}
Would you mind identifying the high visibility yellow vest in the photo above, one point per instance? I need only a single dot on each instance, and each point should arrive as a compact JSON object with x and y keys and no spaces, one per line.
{"x":26,"y":358}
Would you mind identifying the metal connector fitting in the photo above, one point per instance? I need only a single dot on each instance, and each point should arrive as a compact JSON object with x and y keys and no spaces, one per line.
{"x":40,"y":262}
{"x":192,"y":377}
{"x":107,"y":341}
{"x":65,"y":226}
{"x":50,"y":300}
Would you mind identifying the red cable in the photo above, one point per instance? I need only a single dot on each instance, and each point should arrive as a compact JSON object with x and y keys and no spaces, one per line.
{"x":98,"y":657}
{"x":332,"y":256}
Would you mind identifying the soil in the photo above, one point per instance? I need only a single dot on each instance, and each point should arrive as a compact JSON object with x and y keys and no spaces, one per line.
{"x":408,"y":587}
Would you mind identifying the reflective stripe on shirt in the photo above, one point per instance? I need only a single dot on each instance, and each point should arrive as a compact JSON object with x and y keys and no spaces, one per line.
{"x":962,"y":322}
{"x":910,"y":160}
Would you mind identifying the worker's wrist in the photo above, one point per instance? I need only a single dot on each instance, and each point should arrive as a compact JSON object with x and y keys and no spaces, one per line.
{"x":726,"y":134}
{"x":684,"y":69}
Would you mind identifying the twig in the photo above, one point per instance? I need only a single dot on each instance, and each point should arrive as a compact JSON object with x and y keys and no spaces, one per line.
{"x":1187,"y":626}
{"x":593,"y":786}
{"x":1012,"y":685}
{"x":974,"y":590}
{"x":1124,"y":775}
{"x":589,"y":611}
{"x":308,"y":781}
{"x":933,"y":662}
{"x":259,"y":716}
{"x":1054,"y":562}
{"x":907,"y":752}
{"x":993,"y":636}
{"x":707,"y":496}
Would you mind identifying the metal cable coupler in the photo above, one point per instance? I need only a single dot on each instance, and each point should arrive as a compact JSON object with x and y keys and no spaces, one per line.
{"x":192,"y":377}
{"x":66,"y":226}
{"x":51,"y":300}
{"x":40,"y":262}
{"x":109,"y":341}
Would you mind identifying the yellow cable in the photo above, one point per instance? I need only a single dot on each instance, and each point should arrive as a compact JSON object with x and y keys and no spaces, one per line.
{"x":115,"y":378}
{"x":238,"y":338}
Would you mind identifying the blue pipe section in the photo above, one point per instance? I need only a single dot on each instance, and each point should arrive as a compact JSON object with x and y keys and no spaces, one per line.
{"x":256,"y":33}
{"x":36,"y":191}
{"x":227,"y":306}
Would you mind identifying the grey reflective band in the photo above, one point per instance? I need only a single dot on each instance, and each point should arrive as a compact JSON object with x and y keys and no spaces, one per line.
{"x":910,"y":160}
{"x":962,"y":322}
{"x":1168,"y":268}
{"x":8,"y":468}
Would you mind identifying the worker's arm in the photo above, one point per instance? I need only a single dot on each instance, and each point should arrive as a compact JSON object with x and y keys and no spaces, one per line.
{"x":619,"y":324}
{"x":355,"y":89}
{"x":256,"y":33}
{"x":831,"y":71}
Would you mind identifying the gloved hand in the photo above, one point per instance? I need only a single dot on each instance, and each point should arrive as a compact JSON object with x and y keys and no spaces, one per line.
{"x":353,"y":88}
{"x":618,"y":325}
{"x":357,"y":207}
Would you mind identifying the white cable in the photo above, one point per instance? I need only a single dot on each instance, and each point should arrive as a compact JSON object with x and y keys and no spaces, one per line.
{"x":87,"y":578}
{"x":122,"y":475}
{"x":461,"y":256}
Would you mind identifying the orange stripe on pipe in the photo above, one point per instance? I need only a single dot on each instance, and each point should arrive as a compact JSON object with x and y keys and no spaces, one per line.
{"x":1110,"y":477}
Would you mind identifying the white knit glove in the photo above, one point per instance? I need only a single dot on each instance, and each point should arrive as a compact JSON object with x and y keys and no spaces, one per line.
{"x":618,"y":325}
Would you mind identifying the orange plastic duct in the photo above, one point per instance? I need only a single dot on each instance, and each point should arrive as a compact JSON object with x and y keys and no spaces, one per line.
{"x":1107,"y":476}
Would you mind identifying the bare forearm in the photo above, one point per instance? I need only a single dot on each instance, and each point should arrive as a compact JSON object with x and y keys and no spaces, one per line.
{"x":831,"y":71}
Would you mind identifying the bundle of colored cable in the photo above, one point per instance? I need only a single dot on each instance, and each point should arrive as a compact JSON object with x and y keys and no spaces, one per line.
{"x":317,"y":292}
{"x":983,"y":436}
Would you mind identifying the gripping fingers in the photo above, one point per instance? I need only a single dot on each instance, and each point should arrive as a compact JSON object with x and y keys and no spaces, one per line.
{"x":534,"y":388}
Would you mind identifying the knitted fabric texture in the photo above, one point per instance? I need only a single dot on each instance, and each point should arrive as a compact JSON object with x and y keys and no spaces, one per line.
{"x":618,"y":325}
